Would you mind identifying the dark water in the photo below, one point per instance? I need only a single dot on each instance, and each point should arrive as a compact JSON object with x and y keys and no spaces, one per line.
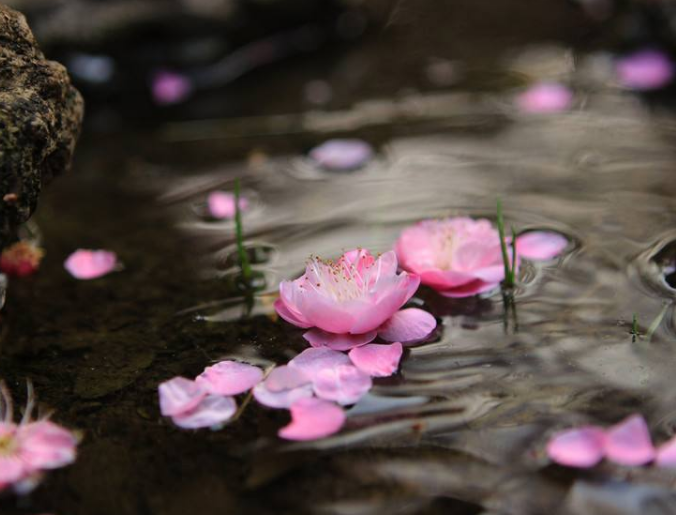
{"x":461,"y":428}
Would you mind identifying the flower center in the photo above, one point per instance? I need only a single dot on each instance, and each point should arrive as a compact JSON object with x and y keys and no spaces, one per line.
{"x":341,"y":280}
{"x":7,"y":444}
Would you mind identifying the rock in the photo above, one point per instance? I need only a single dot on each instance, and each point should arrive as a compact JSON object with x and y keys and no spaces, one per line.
{"x":40,"y":117}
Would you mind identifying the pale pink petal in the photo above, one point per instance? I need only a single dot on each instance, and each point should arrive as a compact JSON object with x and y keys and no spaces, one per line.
{"x":221,"y":204}
{"x":290,"y":316}
{"x":666,"y":454}
{"x":313,"y":361}
{"x":170,"y":87}
{"x":545,"y":97}
{"x":213,"y":411}
{"x":313,"y":418}
{"x":341,"y":154}
{"x":45,"y":445}
{"x":90,"y":264}
{"x":581,"y":447}
{"x":377,"y":360}
{"x":408,"y":326}
{"x":645,"y":70}
{"x":11,"y":469}
{"x":446,"y":279}
{"x":283,"y":398}
{"x":470,"y":289}
{"x":229,"y":378}
{"x":329,"y":314}
{"x":628,"y":443}
{"x":345,"y":384}
{"x":540,"y":245}
{"x":179,"y":395}
{"x":319,"y":338}
{"x":286,"y":378}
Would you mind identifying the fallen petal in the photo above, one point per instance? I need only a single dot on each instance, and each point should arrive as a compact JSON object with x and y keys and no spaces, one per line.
{"x":545,"y":97}
{"x":581,"y":447}
{"x":213,"y":411}
{"x":313,"y":418}
{"x":170,"y":87}
{"x":345,"y":384}
{"x":179,"y":395}
{"x":341,"y":154}
{"x":408,"y":326}
{"x":666,"y":454}
{"x":90,"y":264}
{"x":628,"y":443}
{"x":286,"y":378}
{"x":221,"y":204}
{"x":313,"y":361}
{"x":377,"y":360}
{"x":282,"y":398}
{"x":540,"y":245}
{"x":229,"y":378}
{"x":645,"y":70}
{"x":318,"y":338}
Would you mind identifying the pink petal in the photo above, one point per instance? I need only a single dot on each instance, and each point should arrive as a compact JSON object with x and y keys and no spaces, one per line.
{"x":170,"y":87}
{"x":470,"y":289}
{"x":11,"y":469}
{"x":90,"y":264}
{"x":229,"y":378}
{"x":179,"y":395}
{"x":319,"y":338}
{"x":290,"y":316}
{"x":408,"y":326}
{"x":666,"y":454}
{"x":345,"y":384}
{"x":545,"y":98}
{"x":221,"y":204}
{"x":377,"y":360}
{"x":312,"y":361}
{"x":286,"y":378}
{"x":628,"y":443}
{"x":312,"y":419}
{"x":281,"y":398}
{"x":45,"y":445}
{"x":341,"y":154}
{"x":213,"y":411}
{"x":582,"y":447}
{"x":540,"y":245}
{"x":645,"y":70}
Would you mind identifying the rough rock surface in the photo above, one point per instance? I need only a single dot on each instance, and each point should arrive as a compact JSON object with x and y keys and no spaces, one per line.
{"x":40,"y":117}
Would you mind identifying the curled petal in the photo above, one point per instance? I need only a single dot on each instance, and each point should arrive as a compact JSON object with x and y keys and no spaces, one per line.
{"x":90,"y":264}
{"x":377,"y":360}
{"x":540,"y":245}
{"x":628,"y":443}
{"x":213,"y":411}
{"x":345,"y":384}
{"x":229,"y":378}
{"x":581,"y":447}
{"x":313,"y":361}
{"x":666,"y":454}
{"x":319,"y":338}
{"x":179,"y":395}
{"x":408,"y":326}
{"x":313,"y":418}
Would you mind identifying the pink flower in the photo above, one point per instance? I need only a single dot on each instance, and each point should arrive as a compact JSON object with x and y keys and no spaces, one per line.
{"x":30,"y":447}
{"x":21,"y":259}
{"x":461,"y":256}
{"x":345,"y":303}
{"x":545,"y":97}
{"x":170,"y":87}
{"x":221,"y":204}
{"x":91,"y":264}
{"x":645,"y":70}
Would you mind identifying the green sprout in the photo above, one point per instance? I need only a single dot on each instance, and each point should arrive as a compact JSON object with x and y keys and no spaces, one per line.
{"x":656,"y":322}
{"x":510,"y":269}
{"x":244,"y":264}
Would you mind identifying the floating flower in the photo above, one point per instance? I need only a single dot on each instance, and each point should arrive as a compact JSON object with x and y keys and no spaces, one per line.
{"x":221,"y":204}
{"x":21,"y":259}
{"x":29,"y":448}
{"x":461,"y":256}
{"x":545,"y":97}
{"x":645,"y":70}
{"x":91,"y":264}
{"x":345,"y":303}
{"x":341,"y":154}
{"x":170,"y":87}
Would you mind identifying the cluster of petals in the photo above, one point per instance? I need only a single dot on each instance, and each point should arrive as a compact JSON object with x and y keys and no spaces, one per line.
{"x":645,"y":70}
{"x":349,"y":302}
{"x":222,"y":205}
{"x":628,"y":443}
{"x":90,"y":264}
{"x":21,"y":259}
{"x":461,"y":256}
{"x":30,"y":447}
{"x":545,"y":97}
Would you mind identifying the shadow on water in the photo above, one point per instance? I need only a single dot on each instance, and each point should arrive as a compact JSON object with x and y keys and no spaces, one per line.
{"x":461,"y":428}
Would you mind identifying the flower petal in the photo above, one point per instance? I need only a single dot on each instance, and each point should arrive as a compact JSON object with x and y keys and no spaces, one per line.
{"x":408,"y":326}
{"x":90,"y":264}
{"x":11,"y":469}
{"x":45,"y":445}
{"x":221,"y":204}
{"x":345,"y":384}
{"x":628,"y":443}
{"x":645,"y":70}
{"x":213,"y":411}
{"x":286,"y":378}
{"x":290,"y":316}
{"x":666,"y":454}
{"x":341,"y":154}
{"x":313,"y":361}
{"x":282,"y":398}
{"x":545,"y":97}
{"x":179,"y":395}
{"x":319,"y":338}
{"x":540,"y":245}
{"x":581,"y":447}
{"x":229,"y":378}
{"x":469,"y":289}
{"x":313,"y":418}
{"x":377,"y":360}
{"x":170,"y":87}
